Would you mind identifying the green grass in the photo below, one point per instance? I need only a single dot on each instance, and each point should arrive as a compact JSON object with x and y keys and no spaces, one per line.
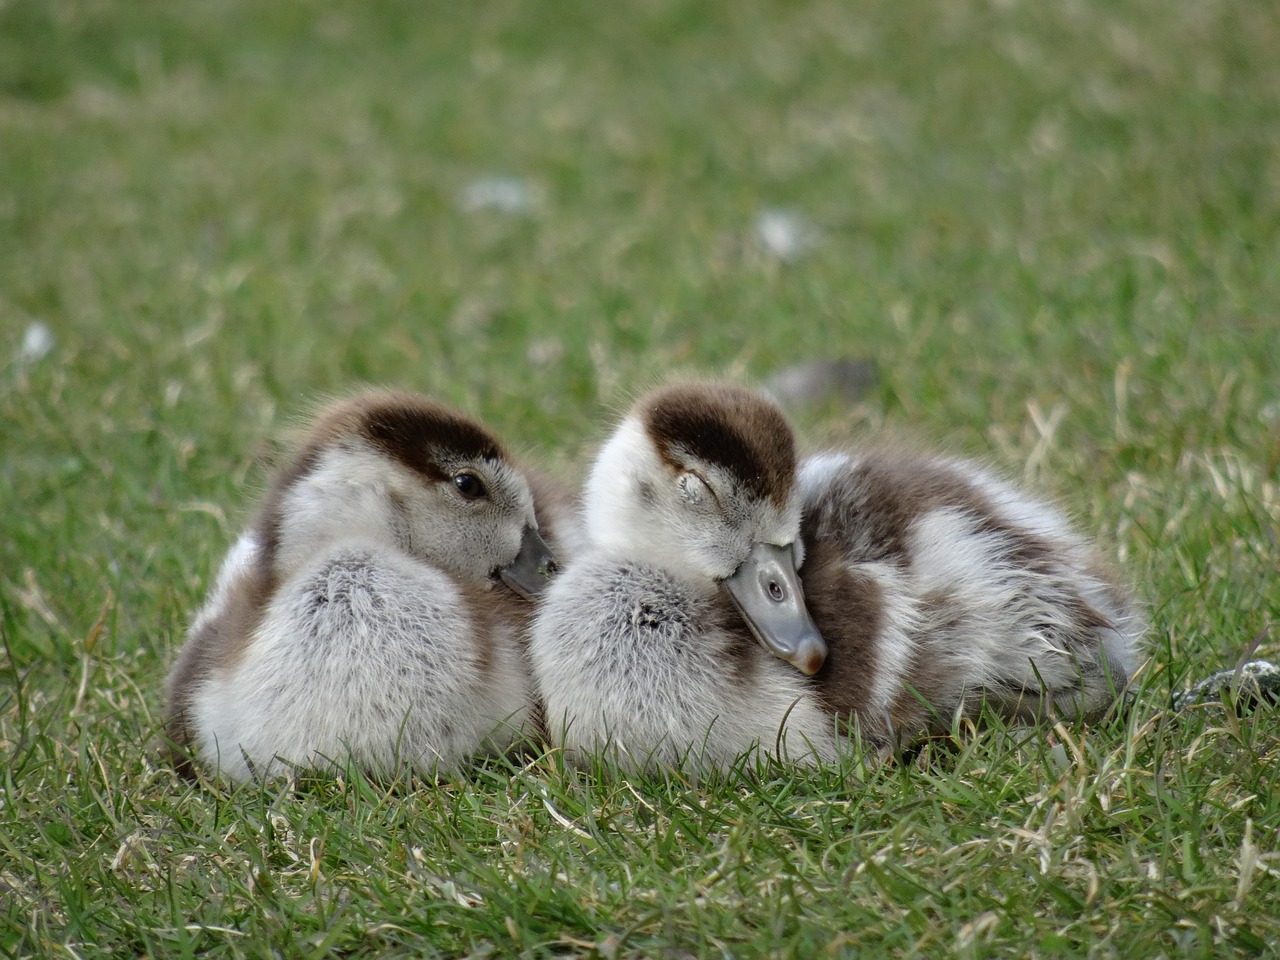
{"x":1055,"y":227}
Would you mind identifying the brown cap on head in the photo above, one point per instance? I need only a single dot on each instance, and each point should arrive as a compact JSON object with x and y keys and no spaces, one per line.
{"x":409,"y":428}
{"x":728,"y":426}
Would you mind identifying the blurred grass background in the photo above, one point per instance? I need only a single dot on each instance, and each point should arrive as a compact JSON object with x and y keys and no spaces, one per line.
{"x":1054,"y":228}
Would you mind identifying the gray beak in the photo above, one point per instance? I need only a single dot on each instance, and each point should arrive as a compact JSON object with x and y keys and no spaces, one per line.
{"x":767,"y":591}
{"x":532,"y":568}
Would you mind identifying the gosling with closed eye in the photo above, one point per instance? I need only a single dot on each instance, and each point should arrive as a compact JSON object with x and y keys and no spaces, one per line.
{"x":367,"y":615}
{"x":670,"y":638}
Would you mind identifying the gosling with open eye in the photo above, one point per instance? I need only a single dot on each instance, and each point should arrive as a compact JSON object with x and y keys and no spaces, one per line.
{"x":942,"y":589}
{"x":373,"y":611}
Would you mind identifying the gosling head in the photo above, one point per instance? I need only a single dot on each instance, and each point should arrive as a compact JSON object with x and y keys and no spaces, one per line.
{"x":699,"y":480}
{"x":397,"y":469}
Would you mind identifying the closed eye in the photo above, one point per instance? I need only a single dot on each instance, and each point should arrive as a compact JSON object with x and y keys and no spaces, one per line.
{"x":695,"y":488}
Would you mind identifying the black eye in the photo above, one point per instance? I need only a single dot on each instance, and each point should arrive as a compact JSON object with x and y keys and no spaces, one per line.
{"x":776,"y":592}
{"x":469,"y":485}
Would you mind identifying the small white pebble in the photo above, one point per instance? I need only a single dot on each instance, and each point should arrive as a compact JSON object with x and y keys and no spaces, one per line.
{"x":509,"y":195}
{"x":37,"y":343}
{"x":784,"y":234}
